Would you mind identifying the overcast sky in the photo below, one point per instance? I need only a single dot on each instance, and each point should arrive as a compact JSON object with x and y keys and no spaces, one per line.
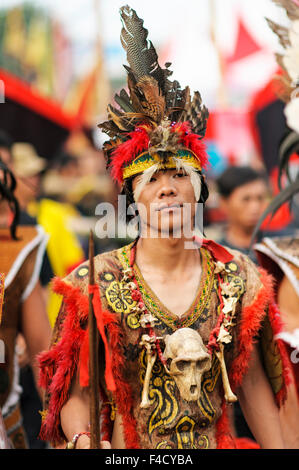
{"x":179,"y":29}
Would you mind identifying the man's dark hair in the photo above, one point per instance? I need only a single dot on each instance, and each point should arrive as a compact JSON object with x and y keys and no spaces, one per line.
{"x":236,"y":176}
{"x":6,"y":140}
{"x":7,"y":188}
{"x":127,"y":191}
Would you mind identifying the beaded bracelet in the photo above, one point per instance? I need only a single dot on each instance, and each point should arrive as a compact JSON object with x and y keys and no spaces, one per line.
{"x":72,"y":444}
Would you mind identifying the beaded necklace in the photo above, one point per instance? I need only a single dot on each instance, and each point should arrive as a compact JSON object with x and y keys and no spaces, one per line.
{"x":219,"y":336}
{"x":147,"y":320}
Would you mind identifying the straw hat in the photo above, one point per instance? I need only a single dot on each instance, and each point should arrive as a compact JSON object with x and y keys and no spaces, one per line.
{"x":26,"y":162}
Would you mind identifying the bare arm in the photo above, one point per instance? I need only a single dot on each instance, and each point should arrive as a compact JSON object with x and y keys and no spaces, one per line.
{"x":74,"y":416}
{"x":35,"y":327}
{"x":258,"y":405}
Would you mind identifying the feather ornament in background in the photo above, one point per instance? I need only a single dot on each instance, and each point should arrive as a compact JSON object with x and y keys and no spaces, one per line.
{"x":289,"y":62}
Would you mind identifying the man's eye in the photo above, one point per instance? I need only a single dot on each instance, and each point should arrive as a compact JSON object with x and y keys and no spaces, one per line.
{"x":179,"y":175}
{"x":152,"y":179}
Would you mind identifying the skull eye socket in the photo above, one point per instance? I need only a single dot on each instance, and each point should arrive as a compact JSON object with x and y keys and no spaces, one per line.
{"x":182,"y":365}
{"x":201,"y":363}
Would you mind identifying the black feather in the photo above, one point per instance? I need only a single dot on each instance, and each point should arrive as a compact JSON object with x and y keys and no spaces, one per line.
{"x":288,"y":146}
{"x":197,"y":114}
{"x":284,"y":196}
{"x":123,"y":100}
{"x":141,"y":54}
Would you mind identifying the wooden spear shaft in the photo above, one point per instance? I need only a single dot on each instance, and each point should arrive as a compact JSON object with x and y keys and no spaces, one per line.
{"x":93,"y":359}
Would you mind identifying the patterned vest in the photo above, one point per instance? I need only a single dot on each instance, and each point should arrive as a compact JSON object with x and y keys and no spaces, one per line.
{"x":169,"y":421}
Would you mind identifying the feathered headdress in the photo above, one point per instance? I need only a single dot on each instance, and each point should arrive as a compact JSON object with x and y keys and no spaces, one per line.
{"x":157,"y":120}
{"x":289,"y":62}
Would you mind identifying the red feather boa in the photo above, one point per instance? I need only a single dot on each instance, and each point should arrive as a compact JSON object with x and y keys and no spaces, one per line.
{"x":252,"y":317}
{"x":58,"y":366}
{"x":251,"y":321}
{"x":124,"y":153}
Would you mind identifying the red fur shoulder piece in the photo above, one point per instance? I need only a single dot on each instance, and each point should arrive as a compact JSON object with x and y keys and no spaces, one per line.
{"x":252,"y":316}
{"x":251,"y":321}
{"x":58,"y":365}
{"x":224,"y":437}
{"x":277,"y":327}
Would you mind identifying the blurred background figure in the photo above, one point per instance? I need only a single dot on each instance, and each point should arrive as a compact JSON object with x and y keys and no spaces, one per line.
{"x":24,"y":311}
{"x":5,"y":147}
{"x":4,"y":443}
{"x":27,"y":167}
{"x":244,"y":196}
{"x":63,"y":250}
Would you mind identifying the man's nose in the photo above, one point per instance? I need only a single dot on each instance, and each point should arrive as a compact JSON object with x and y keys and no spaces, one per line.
{"x":167,"y":187}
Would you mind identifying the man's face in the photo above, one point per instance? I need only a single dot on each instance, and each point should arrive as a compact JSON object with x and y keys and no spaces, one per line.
{"x":246,"y":204}
{"x":160,"y":203}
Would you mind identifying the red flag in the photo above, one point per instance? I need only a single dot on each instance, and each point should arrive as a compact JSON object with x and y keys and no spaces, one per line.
{"x":245,"y":44}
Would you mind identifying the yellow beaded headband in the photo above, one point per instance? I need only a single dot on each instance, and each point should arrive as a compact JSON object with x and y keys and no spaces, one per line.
{"x":145,"y":161}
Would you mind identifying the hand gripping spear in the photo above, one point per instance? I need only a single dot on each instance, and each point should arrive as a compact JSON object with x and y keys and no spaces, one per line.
{"x":93,"y":358}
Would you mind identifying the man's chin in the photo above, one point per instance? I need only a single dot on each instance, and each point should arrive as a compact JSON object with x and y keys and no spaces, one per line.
{"x":173,"y":231}
{"x":249,"y":228}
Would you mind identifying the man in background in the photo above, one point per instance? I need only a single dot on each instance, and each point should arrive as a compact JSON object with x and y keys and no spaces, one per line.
{"x":21,"y":255}
{"x":244,"y":195}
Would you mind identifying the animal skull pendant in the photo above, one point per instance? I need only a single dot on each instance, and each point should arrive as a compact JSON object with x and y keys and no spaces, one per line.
{"x":187,"y":359}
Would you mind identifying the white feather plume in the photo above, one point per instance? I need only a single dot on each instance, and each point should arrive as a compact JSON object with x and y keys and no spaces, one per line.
{"x":194,"y":176}
{"x":144,"y":178}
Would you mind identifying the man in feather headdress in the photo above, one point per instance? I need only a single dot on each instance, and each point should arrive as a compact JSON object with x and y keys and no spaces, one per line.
{"x":178,"y":316}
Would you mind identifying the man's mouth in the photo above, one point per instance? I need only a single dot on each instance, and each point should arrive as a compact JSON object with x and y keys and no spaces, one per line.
{"x":168,"y":207}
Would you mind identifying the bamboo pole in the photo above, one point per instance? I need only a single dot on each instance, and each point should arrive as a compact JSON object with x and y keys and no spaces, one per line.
{"x":93,"y":359}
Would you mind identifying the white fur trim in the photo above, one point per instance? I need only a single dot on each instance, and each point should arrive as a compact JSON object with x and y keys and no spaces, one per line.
{"x":41,"y":239}
{"x":15,"y":391}
{"x":281,"y":263}
{"x":291,"y":338}
{"x":292,"y":259}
